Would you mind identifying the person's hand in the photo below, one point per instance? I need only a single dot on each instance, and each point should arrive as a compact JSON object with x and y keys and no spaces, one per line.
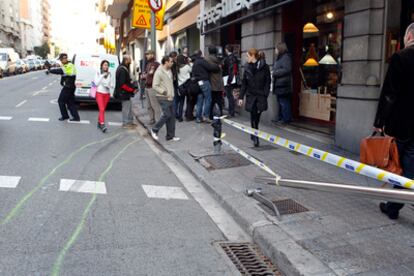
{"x":379,"y":130}
{"x":240,"y":102}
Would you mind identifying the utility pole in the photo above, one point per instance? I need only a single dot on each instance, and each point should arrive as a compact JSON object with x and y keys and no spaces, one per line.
{"x":153,"y":33}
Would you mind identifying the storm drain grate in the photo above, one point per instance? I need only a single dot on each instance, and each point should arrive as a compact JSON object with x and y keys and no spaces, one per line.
{"x":223,"y":161}
{"x":289,"y":206}
{"x":249,"y":260}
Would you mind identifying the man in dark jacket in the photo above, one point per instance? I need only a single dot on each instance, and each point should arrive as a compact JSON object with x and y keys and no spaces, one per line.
{"x":216,"y":80}
{"x":154,"y":109}
{"x":201,"y":72}
{"x":282,"y":85}
{"x":124,"y":91}
{"x":230,"y":70}
{"x":67,"y":94}
{"x":394,"y":115}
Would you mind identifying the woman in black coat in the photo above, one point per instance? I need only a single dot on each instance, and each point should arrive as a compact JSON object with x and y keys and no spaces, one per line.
{"x":256,"y":88}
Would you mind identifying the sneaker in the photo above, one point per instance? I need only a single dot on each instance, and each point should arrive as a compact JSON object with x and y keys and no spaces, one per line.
{"x":63,"y":119}
{"x":207,"y":121}
{"x":74,"y":120}
{"x":152,"y":122}
{"x":102,"y":127}
{"x":174,"y":139}
{"x":154,"y":134}
{"x":199,"y":121}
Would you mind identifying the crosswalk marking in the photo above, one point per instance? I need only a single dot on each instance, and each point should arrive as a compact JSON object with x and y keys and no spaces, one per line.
{"x":85,"y":122}
{"x":5,"y":118}
{"x":82,"y":186}
{"x":34,"y":119}
{"x":21,"y":103}
{"x":164,"y":192}
{"x":9,"y":181}
{"x":114,"y":124}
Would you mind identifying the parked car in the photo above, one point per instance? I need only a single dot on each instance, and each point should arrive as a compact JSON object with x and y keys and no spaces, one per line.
{"x":38,"y":64}
{"x":22,"y":67}
{"x":11,"y":68}
{"x":31,"y":64}
{"x":42,"y":63}
{"x":7,"y":55}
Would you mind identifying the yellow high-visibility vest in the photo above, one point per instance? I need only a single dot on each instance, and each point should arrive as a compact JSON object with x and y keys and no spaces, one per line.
{"x":69,"y":69}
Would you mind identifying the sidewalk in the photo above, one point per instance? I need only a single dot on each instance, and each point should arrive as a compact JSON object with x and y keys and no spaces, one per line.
{"x":339,"y":235}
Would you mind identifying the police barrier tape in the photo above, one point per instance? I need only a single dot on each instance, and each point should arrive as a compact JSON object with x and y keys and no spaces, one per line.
{"x":324,"y":156}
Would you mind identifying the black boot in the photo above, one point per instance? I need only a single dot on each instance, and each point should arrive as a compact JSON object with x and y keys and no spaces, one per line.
{"x":256,"y":142}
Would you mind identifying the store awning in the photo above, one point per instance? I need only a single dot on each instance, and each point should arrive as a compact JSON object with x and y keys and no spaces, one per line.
{"x":117,"y":8}
{"x":253,"y":14}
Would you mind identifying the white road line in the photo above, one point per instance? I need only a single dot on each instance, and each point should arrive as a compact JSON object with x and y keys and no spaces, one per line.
{"x":82,"y":186}
{"x":40,"y":92}
{"x":230,"y":229}
{"x":9,"y":181}
{"x":164,"y":192}
{"x":5,"y":118}
{"x":84,"y":122}
{"x":34,"y":119}
{"x":44,"y":88}
{"x":50,"y":84}
{"x":35,"y":78}
{"x":114,"y":124}
{"x":21,"y":103}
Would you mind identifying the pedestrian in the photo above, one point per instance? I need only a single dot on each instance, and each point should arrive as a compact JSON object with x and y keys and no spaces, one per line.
{"x":184,"y":75}
{"x":174,"y":70}
{"x":66,"y":98}
{"x":394,"y":115}
{"x":151,"y":66}
{"x":256,"y":87}
{"x":231,"y":71}
{"x":217,"y":85}
{"x":201,"y":72}
{"x":282,"y":85}
{"x":124,"y":91}
{"x":103,"y":89}
{"x":164,"y":87}
{"x":192,"y":95}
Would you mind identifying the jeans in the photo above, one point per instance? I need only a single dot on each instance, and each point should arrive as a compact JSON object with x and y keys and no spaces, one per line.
{"x":204,"y":100}
{"x":168,"y":118}
{"x":67,"y":98}
{"x":102,"y":100}
{"x":406,"y":152}
{"x":230,"y":99}
{"x":127,"y":116}
{"x":179,"y":106}
{"x":285,"y":113}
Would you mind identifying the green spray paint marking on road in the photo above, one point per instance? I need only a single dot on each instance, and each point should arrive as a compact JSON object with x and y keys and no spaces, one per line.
{"x":58,"y":263}
{"x":19,"y":205}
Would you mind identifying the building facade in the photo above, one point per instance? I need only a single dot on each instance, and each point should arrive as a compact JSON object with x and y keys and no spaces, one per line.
{"x":340,"y":51}
{"x":10,"y":35}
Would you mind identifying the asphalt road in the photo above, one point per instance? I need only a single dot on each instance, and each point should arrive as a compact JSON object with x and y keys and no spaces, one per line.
{"x":75,"y":201}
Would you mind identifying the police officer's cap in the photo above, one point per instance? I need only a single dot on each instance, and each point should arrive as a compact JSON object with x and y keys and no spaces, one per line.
{"x":62,"y":56}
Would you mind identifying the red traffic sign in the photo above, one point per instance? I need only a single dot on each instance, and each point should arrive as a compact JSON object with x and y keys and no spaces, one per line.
{"x":155,"y":5}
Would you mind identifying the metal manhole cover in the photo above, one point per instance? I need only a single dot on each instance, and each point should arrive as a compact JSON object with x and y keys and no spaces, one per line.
{"x":264,"y":148}
{"x":289,"y":206}
{"x":248,"y":259}
{"x":223,"y":161}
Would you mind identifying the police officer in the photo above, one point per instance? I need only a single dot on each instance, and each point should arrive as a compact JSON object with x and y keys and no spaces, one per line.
{"x":67,"y":94}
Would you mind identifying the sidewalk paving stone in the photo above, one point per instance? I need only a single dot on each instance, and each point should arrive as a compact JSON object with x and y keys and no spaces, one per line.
{"x":340,"y":235}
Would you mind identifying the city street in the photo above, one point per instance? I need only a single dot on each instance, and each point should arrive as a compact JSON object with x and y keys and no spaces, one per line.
{"x":75,"y":201}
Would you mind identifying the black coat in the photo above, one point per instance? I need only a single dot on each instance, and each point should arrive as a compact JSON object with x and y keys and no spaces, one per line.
{"x":397,"y":97}
{"x":282,"y":75}
{"x":256,"y":86}
{"x":202,"y":69}
{"x":231,"y":68}
{"x":124,"y":89}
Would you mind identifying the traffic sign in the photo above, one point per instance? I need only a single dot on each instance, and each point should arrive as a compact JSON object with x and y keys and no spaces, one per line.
{"x":155,"y":5}
{"x":142,"y":15}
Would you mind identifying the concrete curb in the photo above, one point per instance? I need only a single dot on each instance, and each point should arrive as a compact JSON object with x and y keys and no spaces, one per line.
{"x":284,"y":252}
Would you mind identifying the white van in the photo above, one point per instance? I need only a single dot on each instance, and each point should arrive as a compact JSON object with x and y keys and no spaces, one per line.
{"x":8,"y":58}
{"x":86,"y":68}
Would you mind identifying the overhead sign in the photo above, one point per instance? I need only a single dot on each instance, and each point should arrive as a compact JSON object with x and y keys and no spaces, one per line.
{"x":222,"y":10}
{"x":155,"y":5}
{"x":142,"y":15}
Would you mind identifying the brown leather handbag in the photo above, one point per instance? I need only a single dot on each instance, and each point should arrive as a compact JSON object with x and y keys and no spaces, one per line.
{"x":381,"y":152}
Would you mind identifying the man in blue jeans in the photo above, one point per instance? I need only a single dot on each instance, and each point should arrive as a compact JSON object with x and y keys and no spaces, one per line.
{"x":201,"y":72}
{"x":394,"y":115}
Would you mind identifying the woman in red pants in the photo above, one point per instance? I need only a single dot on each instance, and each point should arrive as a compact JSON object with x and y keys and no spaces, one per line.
{"x":103,"y":86}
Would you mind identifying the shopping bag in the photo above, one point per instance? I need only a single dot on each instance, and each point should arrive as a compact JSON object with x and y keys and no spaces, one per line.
{"x":92,"y":91}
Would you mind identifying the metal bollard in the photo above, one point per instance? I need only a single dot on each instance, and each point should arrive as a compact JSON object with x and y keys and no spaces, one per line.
{"x":217,"y":134}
